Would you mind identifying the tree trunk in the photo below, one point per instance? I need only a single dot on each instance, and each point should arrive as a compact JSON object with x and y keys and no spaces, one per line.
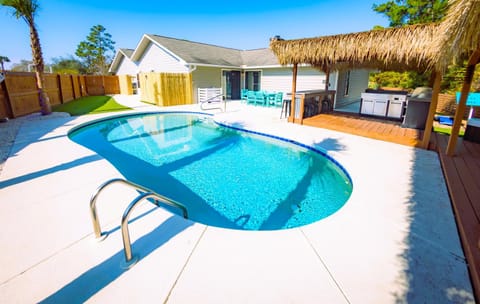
{"x":39,"y":65}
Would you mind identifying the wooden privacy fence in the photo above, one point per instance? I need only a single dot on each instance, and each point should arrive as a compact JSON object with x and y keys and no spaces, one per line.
{"x":447,"y":105}
{"x":166,"y":89}
{"x":19,"y":91}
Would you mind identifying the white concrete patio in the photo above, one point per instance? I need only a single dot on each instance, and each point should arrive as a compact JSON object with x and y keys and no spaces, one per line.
{"x":395,"y":240}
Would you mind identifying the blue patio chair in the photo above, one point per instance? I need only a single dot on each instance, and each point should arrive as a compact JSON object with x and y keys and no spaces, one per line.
{"x":278,"y":100}
{"x":270,"y":98}
{"x":243,"y":95}
{"x":260,"y":97}
{"x":251,"y":98}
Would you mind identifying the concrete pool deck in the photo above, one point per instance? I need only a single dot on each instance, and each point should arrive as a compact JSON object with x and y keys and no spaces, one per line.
{"x":394,"y":241}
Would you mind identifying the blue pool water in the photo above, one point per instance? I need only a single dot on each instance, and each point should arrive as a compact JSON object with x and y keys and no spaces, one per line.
{"x":225,"y":177}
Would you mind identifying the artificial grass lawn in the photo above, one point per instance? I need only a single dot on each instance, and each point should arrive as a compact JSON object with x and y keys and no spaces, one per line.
{"x":90,"y":105}
{"x":447,"y":130}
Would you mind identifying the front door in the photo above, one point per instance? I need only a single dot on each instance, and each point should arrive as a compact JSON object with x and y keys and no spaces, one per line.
{"x":232,"y":84}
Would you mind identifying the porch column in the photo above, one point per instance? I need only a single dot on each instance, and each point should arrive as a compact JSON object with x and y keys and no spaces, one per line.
{"x":433,"y":107}
{"x":327,"y":77}
{"x":326,"y":70}
{"x":294,"y":89}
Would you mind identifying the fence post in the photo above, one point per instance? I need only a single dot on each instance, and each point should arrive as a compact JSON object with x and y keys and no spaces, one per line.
{"x":6,"y":99}
{"x":103,"y":84}
{"x":60,"y":88}
{"x":70,"y":79}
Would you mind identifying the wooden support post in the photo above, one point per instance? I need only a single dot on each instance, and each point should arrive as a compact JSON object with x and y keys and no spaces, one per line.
{"x":433,"y":107}
{"x":462,"y":104}
{"x":60,"y":89}
{"x":327,"y":88}
{"x":327,"y":78}
{"x":291,"y":118}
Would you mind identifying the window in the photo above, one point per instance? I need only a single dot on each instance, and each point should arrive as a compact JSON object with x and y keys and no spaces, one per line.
{"x":252,"y":80}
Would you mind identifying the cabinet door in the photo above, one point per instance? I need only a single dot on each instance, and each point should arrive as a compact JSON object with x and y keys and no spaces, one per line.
{"x":395,"y":109}
{"x":367,"y":106}
{"x":380,"y":108}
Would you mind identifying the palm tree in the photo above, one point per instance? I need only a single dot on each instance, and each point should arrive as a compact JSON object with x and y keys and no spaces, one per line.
{"x":26,"y":9}
{"x":3,"y":59}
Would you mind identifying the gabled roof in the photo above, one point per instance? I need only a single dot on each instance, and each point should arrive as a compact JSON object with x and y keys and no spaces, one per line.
{"x":127,"y":53}
{"x":259,"y":58}
{"x":200,"y":53}
{"x":196,"y":53}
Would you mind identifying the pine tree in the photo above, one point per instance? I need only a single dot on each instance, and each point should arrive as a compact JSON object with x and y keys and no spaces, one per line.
{"x":97,"y":51}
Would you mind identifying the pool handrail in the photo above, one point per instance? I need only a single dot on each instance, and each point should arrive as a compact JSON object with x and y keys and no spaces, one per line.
{"x":131,"y":260}
{"x":213,"y":99}
{"x":157,"y":197}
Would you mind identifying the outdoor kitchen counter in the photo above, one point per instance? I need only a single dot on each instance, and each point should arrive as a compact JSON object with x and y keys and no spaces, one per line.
{"x":310,"y":103}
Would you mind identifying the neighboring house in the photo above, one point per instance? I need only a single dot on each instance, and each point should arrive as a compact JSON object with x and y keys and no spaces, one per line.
{"x":231,"y":69}
{"x":122,"y":63}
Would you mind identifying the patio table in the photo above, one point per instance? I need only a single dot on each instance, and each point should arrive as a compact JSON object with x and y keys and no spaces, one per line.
{"x":269,"y":98}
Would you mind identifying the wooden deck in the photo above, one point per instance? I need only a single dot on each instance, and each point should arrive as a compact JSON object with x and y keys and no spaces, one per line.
{"x":462,"y":173}
{"x":391,"y":131}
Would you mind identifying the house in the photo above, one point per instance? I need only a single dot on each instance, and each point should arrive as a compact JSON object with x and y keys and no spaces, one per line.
{"x":230,"y":69}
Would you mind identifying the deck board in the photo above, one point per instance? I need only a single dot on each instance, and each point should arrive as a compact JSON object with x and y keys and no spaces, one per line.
{"x":462,"y":176}
{"x":462,"y":173}
{"x":366,"y":127}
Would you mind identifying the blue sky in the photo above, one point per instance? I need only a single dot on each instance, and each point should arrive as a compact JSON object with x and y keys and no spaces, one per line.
{"x":246,"y":24}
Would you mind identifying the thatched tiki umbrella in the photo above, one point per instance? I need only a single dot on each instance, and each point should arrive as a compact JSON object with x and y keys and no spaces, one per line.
{"x":424,"y":47}
{"x":401,"y":49}
{"x":460,"y":36}
{"x":405,"y":48}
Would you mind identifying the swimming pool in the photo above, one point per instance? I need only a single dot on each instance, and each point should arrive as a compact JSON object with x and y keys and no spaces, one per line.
{"x":226,"y":177}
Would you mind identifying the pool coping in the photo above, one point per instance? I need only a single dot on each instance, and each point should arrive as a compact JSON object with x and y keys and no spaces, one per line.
{"x":208,"y":264}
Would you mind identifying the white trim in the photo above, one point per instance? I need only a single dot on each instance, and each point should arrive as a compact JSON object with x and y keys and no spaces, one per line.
{"x":142,"y":46}
{"x":216,"y":66}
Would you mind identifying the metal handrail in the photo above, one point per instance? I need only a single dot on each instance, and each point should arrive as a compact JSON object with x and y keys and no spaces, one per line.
{"x":158,"y":199}
{"x":130,"y":260}
{"x":211,"y":99}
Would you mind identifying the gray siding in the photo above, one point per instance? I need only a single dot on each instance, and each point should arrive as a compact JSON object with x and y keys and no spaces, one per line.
{"x":358,"y":84}
{"x":206,"y":77}
{"x":157,"y":60}
{"x":127,"y":67}
{"x":280,"y":79}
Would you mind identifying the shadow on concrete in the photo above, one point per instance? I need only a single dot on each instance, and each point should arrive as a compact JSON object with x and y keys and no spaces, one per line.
{"x":435,"y":268}
{"x":95,"y":279}
{"x":37,"y":174}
